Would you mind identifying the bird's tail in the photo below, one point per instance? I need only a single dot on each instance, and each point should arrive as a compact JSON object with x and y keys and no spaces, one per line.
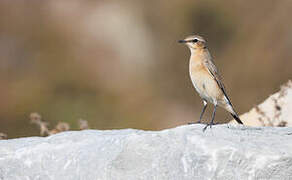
{"x":233,"y":113}
{"x":235,"y":116}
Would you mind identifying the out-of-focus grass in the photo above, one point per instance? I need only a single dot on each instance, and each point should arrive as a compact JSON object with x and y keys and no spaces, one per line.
{"x":36,"y":118}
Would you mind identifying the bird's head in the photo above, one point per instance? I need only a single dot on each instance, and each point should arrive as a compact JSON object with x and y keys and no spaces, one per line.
{"x":194,"y":42}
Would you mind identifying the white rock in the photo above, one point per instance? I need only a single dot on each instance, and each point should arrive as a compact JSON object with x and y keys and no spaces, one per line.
{"x":182,"y":153}
{"x":275,"y":111}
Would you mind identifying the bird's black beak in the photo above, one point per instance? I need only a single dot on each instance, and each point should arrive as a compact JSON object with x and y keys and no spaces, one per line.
{"x":182,"y":41}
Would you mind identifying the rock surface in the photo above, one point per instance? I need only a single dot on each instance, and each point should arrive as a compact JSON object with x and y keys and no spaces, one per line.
{"x":274,"y":111}
{"x":183,"y":153}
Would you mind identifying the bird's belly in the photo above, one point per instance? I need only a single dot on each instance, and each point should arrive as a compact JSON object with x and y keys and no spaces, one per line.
{"x":206,"y":86}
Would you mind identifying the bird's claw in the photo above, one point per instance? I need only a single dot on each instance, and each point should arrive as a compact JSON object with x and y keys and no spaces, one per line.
{"x":190,"y":123}
{"x":204,"y":129}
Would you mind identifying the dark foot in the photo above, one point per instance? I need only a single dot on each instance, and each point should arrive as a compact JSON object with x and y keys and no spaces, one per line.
{"x":190,"y":123}
{"x":204,"y":129}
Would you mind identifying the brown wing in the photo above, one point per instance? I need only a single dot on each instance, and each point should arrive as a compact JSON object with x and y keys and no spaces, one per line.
{"x":214,"y":72}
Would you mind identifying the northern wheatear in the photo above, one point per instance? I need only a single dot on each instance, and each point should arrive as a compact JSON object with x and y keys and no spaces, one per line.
{"x":206,"y":79}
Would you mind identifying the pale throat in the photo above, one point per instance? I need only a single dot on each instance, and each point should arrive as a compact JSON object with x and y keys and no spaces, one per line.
{"x":197,"y":51}
{"x":196,"y":56}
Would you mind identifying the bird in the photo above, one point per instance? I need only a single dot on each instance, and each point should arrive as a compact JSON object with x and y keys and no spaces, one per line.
{"x":206,"y":79}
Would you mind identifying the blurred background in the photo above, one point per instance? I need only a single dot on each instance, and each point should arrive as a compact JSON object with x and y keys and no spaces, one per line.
{"x":117,"y":64}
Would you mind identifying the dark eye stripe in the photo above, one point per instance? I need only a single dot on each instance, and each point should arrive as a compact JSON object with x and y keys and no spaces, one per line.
{"x":195,"y":40}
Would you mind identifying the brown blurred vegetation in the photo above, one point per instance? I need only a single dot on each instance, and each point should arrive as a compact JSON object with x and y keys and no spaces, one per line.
{"x":36,"y":118}
{"x":117,"y":63}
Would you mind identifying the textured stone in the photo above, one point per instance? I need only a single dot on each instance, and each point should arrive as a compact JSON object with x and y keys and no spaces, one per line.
{"x":274,"y":111}
{"x":223,"y":152}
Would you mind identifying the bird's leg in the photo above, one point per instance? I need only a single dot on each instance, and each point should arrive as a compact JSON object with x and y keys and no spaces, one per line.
{"x":202,"y":113}
{"x":204,"y":108}
{"x":212,"y":120}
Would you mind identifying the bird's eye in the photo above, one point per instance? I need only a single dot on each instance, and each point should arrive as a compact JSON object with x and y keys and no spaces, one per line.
{"x":195,"y":40}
